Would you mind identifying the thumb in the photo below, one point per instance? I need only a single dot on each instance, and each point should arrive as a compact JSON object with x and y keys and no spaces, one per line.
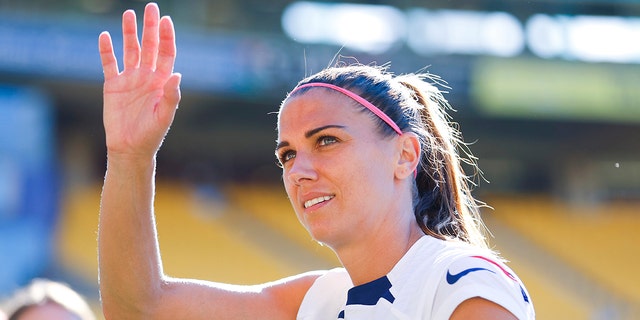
{"x":170,"y":98}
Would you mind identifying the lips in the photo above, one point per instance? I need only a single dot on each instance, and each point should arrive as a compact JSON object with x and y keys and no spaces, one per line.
{"x":317,"y":200}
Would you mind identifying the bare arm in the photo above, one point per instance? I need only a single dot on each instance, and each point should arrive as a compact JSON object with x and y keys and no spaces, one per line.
{"x":139,"y":106}
{"x":479,"y":308}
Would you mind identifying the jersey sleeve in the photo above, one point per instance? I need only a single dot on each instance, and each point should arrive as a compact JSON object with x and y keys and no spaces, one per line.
{"x":326,"y":297}
{"x":485,"y":277}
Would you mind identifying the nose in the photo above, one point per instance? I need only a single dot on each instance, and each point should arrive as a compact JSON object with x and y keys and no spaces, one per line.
{"x":301,"y":169}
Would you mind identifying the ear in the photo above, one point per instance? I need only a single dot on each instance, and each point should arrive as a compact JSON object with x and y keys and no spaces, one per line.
{"x":409,"y":149}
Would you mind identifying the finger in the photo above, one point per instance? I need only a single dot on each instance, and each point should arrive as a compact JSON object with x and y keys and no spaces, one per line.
{"x":167,"y":47}
{"x":130,"y":43}
{"x":108,"y":58}
{"x":170,"y":99}
{"x":150,"y":36}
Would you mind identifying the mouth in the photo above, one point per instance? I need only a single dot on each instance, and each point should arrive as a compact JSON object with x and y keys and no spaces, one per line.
{"x":315,"y":201}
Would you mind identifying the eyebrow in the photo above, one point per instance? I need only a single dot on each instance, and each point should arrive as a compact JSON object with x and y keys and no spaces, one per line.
{"x":310,"y":134}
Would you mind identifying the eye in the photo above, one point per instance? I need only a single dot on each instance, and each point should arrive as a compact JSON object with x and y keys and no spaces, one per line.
{"x":326,"y":140}
{"x":285,"y":156}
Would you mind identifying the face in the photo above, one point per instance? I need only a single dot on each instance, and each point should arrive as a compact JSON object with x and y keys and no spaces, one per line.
{"x":48,"y":311}
{"x":338,"y":171}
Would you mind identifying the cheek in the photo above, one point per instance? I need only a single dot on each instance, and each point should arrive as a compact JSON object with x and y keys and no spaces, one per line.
{"x":371,"y":177}
{"x":288,"y":189}
{"x":365,"y":164}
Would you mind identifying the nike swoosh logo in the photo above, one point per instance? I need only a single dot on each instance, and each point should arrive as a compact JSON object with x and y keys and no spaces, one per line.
{"x":453,"y":278}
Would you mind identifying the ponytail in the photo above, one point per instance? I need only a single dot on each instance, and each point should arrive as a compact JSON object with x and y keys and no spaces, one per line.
{"x":443,"y":204}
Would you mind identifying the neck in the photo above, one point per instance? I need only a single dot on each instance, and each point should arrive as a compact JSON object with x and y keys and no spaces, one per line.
{"x":375,"y":256}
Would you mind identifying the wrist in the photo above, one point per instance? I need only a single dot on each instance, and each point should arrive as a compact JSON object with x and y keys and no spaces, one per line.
{"x":130,"y":161}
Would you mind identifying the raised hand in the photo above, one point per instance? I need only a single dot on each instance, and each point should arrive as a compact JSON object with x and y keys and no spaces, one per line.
{"x":140,"y":102}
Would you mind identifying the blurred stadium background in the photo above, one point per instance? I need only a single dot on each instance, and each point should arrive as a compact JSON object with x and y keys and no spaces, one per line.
{"x":547,"y":91}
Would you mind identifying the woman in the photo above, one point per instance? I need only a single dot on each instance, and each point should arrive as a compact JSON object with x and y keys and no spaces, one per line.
{"x":370,"y":165}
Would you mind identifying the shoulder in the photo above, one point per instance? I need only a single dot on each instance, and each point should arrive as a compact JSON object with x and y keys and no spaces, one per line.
{"x":293,"y":288}
{"x":480,"y":274}
{"x":282,"y":297}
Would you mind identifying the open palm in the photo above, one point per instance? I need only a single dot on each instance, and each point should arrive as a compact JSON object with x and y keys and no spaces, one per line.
{"x":140,"y":102}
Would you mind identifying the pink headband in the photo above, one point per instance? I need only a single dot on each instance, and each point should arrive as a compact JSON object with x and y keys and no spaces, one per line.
{"x":355,"y":97}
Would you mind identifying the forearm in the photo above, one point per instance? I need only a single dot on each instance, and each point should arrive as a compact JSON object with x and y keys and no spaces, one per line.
{"x":130,"y":267}
{"x":132,"y":283}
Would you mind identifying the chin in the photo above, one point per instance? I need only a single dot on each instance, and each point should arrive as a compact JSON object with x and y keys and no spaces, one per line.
{"x":320,"y":235}
{"x":328,"y":239}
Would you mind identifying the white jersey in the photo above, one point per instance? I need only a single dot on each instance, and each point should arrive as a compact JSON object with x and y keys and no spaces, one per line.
{"x":429,"y":282}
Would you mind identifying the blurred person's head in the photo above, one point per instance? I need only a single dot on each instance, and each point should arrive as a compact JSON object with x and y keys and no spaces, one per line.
{"x":46,"y":299}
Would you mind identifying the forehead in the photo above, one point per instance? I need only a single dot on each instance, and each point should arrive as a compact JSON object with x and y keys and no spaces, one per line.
{"x":316,"y":107}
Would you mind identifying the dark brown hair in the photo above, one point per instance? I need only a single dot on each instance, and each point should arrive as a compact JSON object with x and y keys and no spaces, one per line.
{"x":443,"y":204}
